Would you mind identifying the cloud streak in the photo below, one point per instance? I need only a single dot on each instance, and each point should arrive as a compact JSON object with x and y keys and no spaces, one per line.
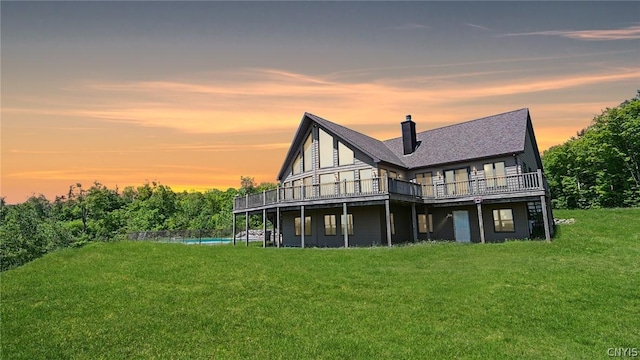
{"x":628,"y":33}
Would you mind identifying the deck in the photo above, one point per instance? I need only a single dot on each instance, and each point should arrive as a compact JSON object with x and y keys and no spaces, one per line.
{"x":383,"y":188}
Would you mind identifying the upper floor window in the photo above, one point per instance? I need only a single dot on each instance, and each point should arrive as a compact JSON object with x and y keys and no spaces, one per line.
{"x":296,"y":164}
{"x":308,"y":157}
{"x":345,"y":155}
{"x":457,"y":181}
{"x":347,"y":185}
{"x":326,"y":149}
{"x":426,"y":181}
{"x":495,"y":174}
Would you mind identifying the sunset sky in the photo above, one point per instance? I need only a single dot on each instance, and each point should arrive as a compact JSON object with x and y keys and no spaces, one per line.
{"x":196,"y":94}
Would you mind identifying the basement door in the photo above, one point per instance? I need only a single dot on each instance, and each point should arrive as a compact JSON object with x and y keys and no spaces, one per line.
{"x":461,"y":228}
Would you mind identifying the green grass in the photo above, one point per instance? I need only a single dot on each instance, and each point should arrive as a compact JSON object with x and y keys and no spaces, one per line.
{"x":572,"y":298}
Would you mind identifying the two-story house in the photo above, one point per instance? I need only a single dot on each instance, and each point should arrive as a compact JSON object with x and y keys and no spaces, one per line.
{"x":476,"y":181}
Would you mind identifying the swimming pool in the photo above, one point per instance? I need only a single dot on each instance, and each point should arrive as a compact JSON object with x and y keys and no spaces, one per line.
{"x":206,"y":241}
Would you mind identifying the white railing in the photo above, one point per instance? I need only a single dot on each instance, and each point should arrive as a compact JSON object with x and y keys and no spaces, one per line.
{"x":488,"y":186}
{"x":377,"y":186}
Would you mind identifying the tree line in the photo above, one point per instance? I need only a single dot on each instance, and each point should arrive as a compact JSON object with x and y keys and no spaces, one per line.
{"x":600,"y":166}
{"x":37,"y":226}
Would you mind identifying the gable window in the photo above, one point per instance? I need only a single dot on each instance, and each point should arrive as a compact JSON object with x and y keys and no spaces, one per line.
{"x":393,"y":225}
{"x":425,"y":223}
{"x":326,"y":149}
{"x":426,"y":182}
{"x":308,"y":157}
{"x":349,"y":223}
{"x":345,"y":155}
{"x":308,"y":186}
{"x":296,"y":164}
{"x":329,"y":224}
{"x":307,"y":226}
{"x":503,"y":220}
{"x":495,"y":174}
{"x":457,"y":181}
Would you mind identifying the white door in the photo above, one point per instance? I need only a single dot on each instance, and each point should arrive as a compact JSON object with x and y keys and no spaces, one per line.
{"x":461,"y":228}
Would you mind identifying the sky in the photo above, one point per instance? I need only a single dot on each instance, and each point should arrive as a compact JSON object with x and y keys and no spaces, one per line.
{"x":194,"y":95}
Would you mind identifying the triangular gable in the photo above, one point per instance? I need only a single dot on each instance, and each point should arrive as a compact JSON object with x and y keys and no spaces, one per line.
{"x":369,"y":146}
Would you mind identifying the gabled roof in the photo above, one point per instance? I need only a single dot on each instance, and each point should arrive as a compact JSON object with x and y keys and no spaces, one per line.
{"x":502,"y":134}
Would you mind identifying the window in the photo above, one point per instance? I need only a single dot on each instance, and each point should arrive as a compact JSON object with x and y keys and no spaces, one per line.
{"x":426,"y":182}
{"x":346,"y":182}
{"x":495,"y":174}
{"x":308,"y":186}
{"x":349,"y":224}
{"x":393,"y":174}
{"x":345,"y":155}
{"x":327,"y":184}
{"x":503,"y":220}
{"x":457,"y":181}
{"x":308,"y":157}
{"x":326,"y":148}
{"x":307,"y":226}
{"x":423,"y":225}
{"x":329,"y":224}
{"x":366,"y":184}
{"x":297,"y":189}
{"x":393,"y":225}
{"x":296,"y":164}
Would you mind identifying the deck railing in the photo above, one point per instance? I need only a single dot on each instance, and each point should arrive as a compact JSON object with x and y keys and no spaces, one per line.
{"x":378,"y":186}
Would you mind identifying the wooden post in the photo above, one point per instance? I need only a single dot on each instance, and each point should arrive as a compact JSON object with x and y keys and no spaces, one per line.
{"x":345,"y":227}
{"x":264,"y":228}
{"x":540,"y":181}
{"x":246,"y":227}
{"x":264,"y":197}
{"x":302,"y":226}
{"x":414,"y":219}
{"x":233,"y":229}
{"x":426,"y":214}
{"x":277,"y":238}
{"x":387,"y":213}
{"x":480,"y":222}
{"x":545,"y":218}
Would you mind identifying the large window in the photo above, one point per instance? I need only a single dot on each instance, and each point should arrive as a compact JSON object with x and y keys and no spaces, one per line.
{"x":426,"y":182}
{"x":349,"y":222}
{"x":345,"y":155}
{"x":457,"y":181}
{"x":326,"y":149}
{"x":366,"y":184}
{"x":308,"y":186}
{"x":503,"y":220}
{"x":346,"y":182}
{"x":297,"y":189}
{"x":327,"y":184}
{"x":307,"y":226}
{"x":495,"y":174}
{"x":308,"y":157}
{"x":296,"y":164}
{"x":329,"y":224}
{"x":425,"y":223}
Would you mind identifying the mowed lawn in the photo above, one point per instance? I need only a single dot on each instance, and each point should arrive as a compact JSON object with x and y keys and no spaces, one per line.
{"x":572,"y":298}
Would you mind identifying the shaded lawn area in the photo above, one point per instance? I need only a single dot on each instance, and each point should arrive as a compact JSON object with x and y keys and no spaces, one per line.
{"x":572,"y":298}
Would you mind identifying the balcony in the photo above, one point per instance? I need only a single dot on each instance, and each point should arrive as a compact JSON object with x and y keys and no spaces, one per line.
{"x":370,"y":188}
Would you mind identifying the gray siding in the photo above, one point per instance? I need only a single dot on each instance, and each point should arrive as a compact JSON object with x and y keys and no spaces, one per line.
{"x":367,"y":230}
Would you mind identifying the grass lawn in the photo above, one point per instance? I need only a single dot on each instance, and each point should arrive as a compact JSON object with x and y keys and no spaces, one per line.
{"x":572,"y":298}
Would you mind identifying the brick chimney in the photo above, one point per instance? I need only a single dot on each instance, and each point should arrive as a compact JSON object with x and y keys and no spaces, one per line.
{"x":409,"y":141}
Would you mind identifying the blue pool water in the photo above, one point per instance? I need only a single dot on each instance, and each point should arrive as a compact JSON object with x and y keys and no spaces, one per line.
{"x":207,"y":241}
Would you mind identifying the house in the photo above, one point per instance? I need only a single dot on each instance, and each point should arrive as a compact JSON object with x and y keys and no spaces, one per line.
{"x":476,"y":181}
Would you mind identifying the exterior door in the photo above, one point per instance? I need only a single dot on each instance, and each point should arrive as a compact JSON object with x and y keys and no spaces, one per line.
{"x":461,"y":228}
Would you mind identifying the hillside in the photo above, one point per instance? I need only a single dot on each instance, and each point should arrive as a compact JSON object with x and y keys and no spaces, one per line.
{"x":572,"y":298}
